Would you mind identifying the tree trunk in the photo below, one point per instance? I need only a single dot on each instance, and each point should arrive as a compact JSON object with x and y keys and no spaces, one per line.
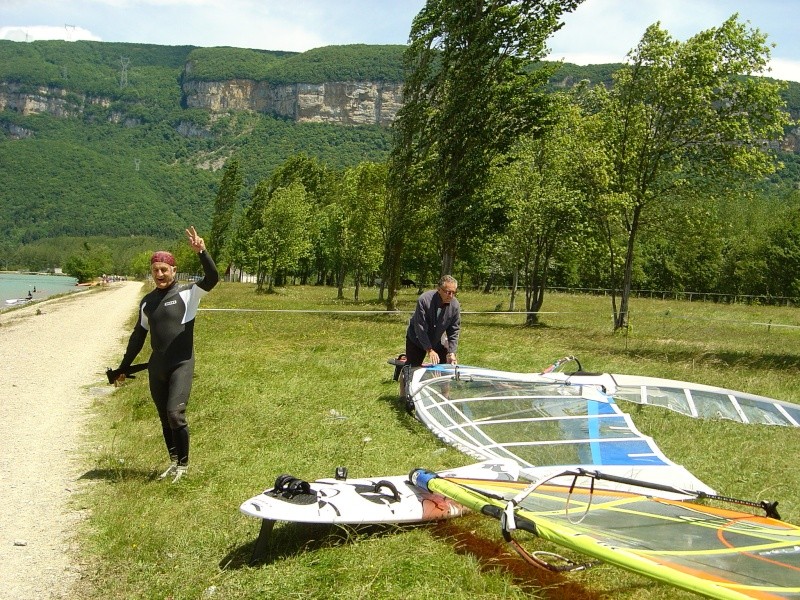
{"x":340,"y":283}
{"x":488,"y":287}
{"x":448,"y":259}
{"x":391,"y":278}
{"x":621,"y":319}
{"x":514,"y":285}
{"x":261,"y":276}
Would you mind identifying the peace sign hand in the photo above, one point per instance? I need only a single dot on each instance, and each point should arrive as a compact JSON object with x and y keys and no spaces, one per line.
{"x":195,"y":241}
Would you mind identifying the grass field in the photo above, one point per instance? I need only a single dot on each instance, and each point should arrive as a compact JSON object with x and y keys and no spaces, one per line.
{"x":303,"y":392}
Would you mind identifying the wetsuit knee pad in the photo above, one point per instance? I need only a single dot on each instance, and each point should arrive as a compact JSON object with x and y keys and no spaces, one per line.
{"x":177,"y":418}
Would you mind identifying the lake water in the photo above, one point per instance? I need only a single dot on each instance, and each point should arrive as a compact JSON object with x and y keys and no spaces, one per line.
{"x":17,"y":285}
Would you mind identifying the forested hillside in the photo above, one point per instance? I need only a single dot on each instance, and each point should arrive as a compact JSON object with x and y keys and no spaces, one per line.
{"x":134,"y":161}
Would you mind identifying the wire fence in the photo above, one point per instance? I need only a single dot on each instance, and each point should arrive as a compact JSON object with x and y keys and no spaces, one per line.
{"x":761,"y":300}
{"x":716,"y":297}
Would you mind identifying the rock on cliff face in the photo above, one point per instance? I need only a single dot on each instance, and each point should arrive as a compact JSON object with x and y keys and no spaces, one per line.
{"x":51,"y":100}
{"x":342,"y":102}
{"x":43,"y":100}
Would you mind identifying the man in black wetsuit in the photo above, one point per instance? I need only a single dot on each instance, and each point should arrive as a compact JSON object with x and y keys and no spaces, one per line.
{"x":168,"y":313}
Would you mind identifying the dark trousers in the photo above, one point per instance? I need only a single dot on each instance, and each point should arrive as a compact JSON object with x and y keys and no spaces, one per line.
{"x":415,"y":355}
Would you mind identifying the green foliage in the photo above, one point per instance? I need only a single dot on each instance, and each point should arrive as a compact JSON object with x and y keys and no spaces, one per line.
{"x":283,"y":239}
{"x":124,"y":165}
{"x":783,"y":255}
{"x":95,"y":68}
{"x":47,"y":253}
{"x":224,"y":209}
{"x":91,"y":263}
{"x":467,"y":100}
{"x":568,"y":75}
{"x":682,"y":121}
{"x":356,"y":62}
{"x":53,"y":186}
{"x":221,"y":64}
{"x":544,"y":185}
{"x":364,"y":197}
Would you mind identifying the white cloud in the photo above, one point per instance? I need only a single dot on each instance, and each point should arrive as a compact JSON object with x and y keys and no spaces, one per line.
{"x":788,"y":70}
{"x":46,"y":32}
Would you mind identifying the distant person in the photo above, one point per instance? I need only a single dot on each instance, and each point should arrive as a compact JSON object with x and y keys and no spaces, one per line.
{"x":168,"y":313}
{"x":432,"y":334}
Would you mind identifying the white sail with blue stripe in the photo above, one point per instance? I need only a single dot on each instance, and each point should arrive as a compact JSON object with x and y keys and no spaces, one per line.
{"x":542,"y":422}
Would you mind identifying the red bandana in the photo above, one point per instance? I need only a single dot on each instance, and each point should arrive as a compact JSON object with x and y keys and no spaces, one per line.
{"x":163,"y":256}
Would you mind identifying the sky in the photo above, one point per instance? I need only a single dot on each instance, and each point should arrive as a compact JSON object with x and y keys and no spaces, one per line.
{"x":598,"y":31}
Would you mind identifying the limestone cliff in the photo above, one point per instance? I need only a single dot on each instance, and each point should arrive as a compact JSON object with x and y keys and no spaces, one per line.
{"x":344,"y":102}
{"x":341,"y":102}
{"x":55,"y":101}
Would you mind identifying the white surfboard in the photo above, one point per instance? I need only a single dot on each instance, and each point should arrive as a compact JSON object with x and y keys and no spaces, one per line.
{"x":370,"y":500}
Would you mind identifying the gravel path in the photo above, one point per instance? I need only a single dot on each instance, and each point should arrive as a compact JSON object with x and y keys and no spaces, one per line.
{"x":53,"y":356}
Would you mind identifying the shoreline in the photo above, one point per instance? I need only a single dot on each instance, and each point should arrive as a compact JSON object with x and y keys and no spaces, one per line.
{"x":54,"y":353}
{"x":4,"y":308}
{"x":20,"y":288}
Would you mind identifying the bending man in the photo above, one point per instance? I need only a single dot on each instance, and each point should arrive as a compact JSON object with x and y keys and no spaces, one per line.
{"x":432,"y":334}
{"x":168,"y":313}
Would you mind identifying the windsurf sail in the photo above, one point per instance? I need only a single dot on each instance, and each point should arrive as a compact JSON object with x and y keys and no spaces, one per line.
{"x":706,"y":401}
{"x":691,"y":399}
{"x":543,"y":424}
{"x":716,"y":552}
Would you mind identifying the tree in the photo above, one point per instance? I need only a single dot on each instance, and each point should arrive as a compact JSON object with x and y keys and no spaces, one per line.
{"x":363,"y":197}
{"x":91,"y":262}
{"x":782,"y":256}
{"x":321,"y":184}
{"x":687,"y":119}
{"x":224,"y":208}
{"x":334,"y":242}
{"x":283,"y":237}
{"x":472,"y":88}
{"x":542,"y":183}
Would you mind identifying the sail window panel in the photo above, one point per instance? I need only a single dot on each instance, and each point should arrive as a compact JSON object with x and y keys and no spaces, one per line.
{"x":498,"y":408}
{"x":713,"y":405}
{"x":558,"y":430}
{"x":782,"y":407}
{"x":633,"y":393}
{"x":555,"y":451}
{"x":764,"y":412}
{"x":477,"y":388}
{"x":551,"y":454}
{"x":672,"y":398}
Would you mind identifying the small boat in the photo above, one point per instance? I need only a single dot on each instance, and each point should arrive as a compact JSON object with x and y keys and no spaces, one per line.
{"x":17,"y":301}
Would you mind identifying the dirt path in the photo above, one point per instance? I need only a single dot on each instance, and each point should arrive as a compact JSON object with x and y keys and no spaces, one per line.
{"x":52,"y":355}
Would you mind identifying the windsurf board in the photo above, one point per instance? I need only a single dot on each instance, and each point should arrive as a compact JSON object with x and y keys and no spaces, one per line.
{"x":392,"y":499}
